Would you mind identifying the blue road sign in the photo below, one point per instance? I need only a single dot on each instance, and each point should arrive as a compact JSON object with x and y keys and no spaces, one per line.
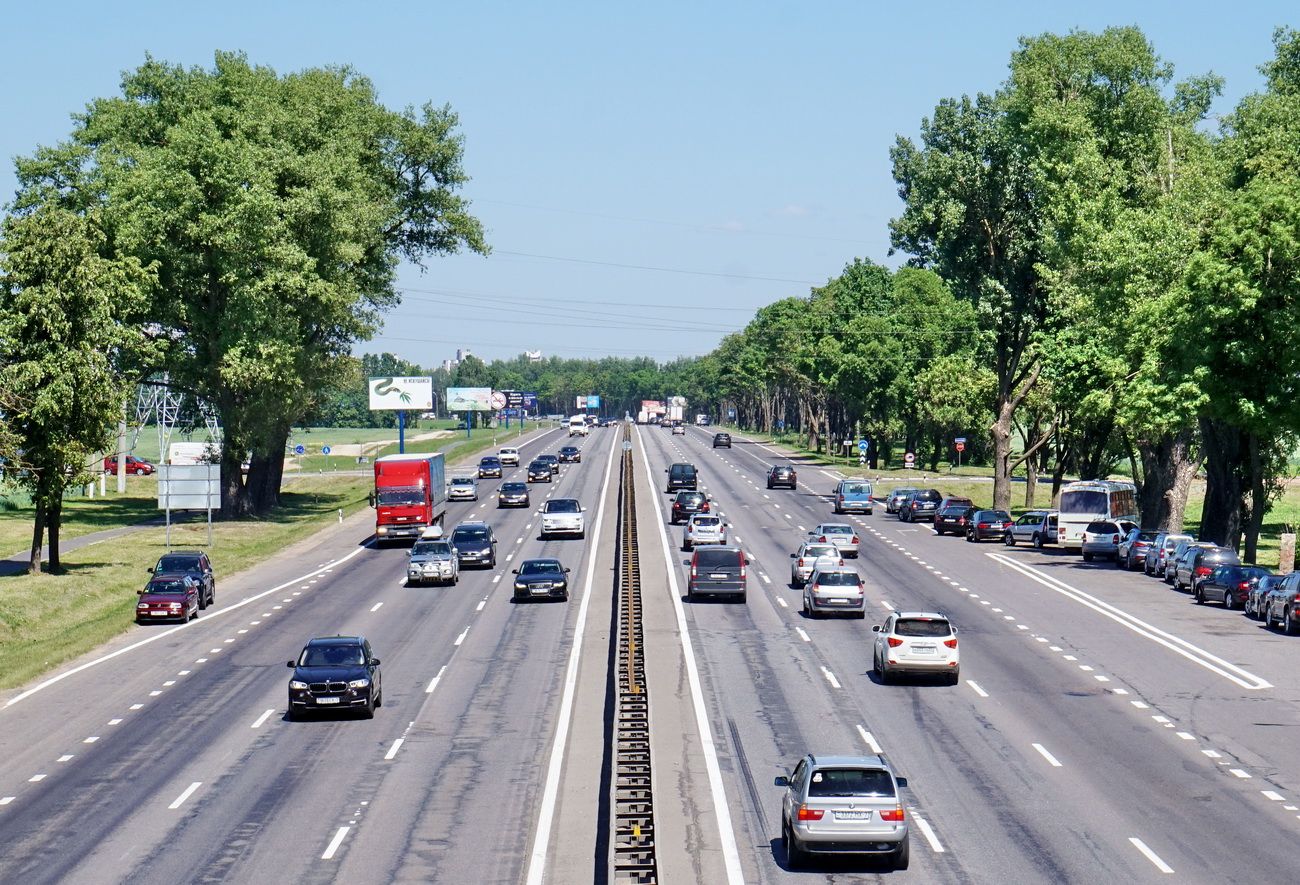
{"x":324,"y":450}
{"x":299,"y":450}
{"x":862,"y":445}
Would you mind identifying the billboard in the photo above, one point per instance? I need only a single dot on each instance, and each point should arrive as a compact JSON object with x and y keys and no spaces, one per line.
{"x":653,"y":406}
{"x":582,"y":402}
{"x":593,"y":402}
{"x":401,"y":393}
{"x":469,"y":399}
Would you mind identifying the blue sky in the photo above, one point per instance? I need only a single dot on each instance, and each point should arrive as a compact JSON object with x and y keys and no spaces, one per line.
{"x":649,"y":174}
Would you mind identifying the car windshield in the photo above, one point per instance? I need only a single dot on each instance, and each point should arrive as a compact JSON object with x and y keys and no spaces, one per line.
{"x":539,"y":465}
{"x":922,"y":627}
{"x":931,"y":495}
{"x":513,"y":487}
{"x":409,"y":495}
{"x":430,"y":548}
{"x":541,"y":568}
{"x":822,"y":550}
{"x":838,"y":579}
{"x":850,"y":782}
{"x":462,"y":481}
{"x":490,"y":461}
{"x":469,"y":535}
{"x":562,"y":506}
{"x":177,"y":564}
{"x":166,"y":586}
{"x":332,"y":656}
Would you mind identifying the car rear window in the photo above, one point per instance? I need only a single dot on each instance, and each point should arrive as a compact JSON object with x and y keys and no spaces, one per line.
{"x":836,"y":530}
{"x":838,"y":579}
{"x":469,"y":535}
{"x":851,"y":782}
{"x":856,"y":488}
{"x":922,"y":627}
{"x":1102,"y":528}
{"x":711,"y":521}
{"x":822,"y":550}
{"x":931,"y":495}
{"x":429,"y":548}
{"x":717,"y":558}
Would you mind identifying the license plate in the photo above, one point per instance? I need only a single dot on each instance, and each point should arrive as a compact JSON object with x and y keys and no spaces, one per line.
{"x":159,"y":614}
{"x":721,"y":577}
{"x":853,"y":815}
{"x":327,"y":700}
{"x":923,"y":649}
{"x":840,"y":601}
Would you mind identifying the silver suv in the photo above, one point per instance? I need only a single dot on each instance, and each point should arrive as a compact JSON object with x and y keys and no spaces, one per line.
{"x":843,"y":805}
{"x":834,"y":589}
{"x":703,"y":528}
{"x":432,"y":560}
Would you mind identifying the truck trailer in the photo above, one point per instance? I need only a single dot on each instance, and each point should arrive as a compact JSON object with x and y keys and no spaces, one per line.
{"x":410,"y":494}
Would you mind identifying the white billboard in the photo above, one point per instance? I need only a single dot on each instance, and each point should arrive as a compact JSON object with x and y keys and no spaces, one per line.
{"x":401,"y":393}
{"x":469,"y":399}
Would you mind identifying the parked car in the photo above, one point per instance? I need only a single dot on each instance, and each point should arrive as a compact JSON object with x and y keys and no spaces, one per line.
{"x":1037,"y":527}
{"x":138,"y":466}
{"x":916,"y":642}
{"x":540,"y":471}
{"x":541,"y":579}
{"x":718,"y":571}
{"x":853,"y":495}
{"x":987,"y":525}
{"x":194,"y":563}
{"x":921,"y":505}
{"x":475,"y":544}
{"x":563,"y":516}
{"x":1282,"y":605}
{"x":489,"y":465}
{"x":811,"y":556}
{"x":686,"y":504}
{"x":462,"y":488}
{"x":1102,"y":537}
{"x":432,"y":560}
{"x":509,"y":456}
{"x":1229,"y":584}
{"x":681,"y":476}
{"x":1132,"y":550}
{"x":721,"y":439}
{"x":169,"y":597}
{"x":513,"y":494}
{"x":843,"y":804}
{"x":841,"y":535}
{"x":953,"y":516}
{"x":1160,"y":548}
{"x":703,"y":528}
{"x":834,"y":589}
{"x":1196,"y":565}
{"x":1254,"y":606}
{"x":781,"y":475}
{"x":896,"y":498}
{"x":336,"y":673}
{"x":571,"y":453}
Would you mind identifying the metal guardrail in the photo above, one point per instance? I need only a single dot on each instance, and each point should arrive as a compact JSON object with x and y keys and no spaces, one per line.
{"x":633,"y":838}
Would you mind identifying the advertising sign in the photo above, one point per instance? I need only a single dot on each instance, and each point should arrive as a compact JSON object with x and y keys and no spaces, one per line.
{"x":530,"y":400}
{"x":469,"y":399}
{"x":401,"y":393}
{"x":653,"y":406}
{"x":582,"y":402}
{"x":593,"y":402}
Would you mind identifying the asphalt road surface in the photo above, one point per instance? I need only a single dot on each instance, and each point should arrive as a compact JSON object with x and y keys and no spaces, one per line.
{"x":1105,"y":729}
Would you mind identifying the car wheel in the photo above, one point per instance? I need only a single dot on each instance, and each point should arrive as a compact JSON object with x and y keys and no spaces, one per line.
{"x":139,"y":471}
{"x":970,"y":536}
{"x":744,"y":597}
{"x":938,"y":531}
{"x":795,"y":856}
{"x":954,"y":677}
{"x":1038,"y":540}
{"x":379,"y":701}
{"x":1087,"y":557}
{"x":1290,"y":626}
{"x":1229,"y":600}
{"x":368,"y":711}
{"x":902,"y":855}
{"x":1267,"y":616}
{"x":492,"y":563}
{"x":1198,"y":596}
{"x":1009,"y":539}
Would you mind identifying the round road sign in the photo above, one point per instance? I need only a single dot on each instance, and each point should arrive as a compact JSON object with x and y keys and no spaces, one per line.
{"x":909,"y":459}
{"x":497,"y":400}
{"x":961,"y":446}
{"x":300,"y":450}
{"x":324,"y":450}
{"x":862,"y":445}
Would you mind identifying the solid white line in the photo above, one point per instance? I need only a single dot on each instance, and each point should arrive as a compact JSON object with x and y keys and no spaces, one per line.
{"x":550,"y":790}
{"x":928,"y":832}
{"x":434,"y":683}
{"x":1046,"y":755}
{"x":156,"y":636}
{"x":335,"y":843}
{"x":189,"y":791}
{"x":392,"y":751}
{"x":975,"y":686}
{"x":830,"y":677}
{"x":1150,"y":855}
{"x":869,"y":740}
{"x":1193,"y":653}
{"x":261,"y":719}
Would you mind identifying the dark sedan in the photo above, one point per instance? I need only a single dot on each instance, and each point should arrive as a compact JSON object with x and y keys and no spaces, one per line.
{"x":987,"y":525}
{"x":541,"y":579}
{"x":953,"y":516}
{"x":336,"y":673}
{"x":540,"y":471}
{"x":571,"y":453}
{"x":513,"y":494}
{"x":194,"y":563}
{"x":721,"y":439}
{"x":781,"y":475}
{"x":1229,"y":584}
{"x":489,"y":466}
{"x":921,"y":505}
{"x":553,"y":460}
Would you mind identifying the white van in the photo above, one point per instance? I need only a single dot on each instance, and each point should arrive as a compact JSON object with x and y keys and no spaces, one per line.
{"x":578,"y":425}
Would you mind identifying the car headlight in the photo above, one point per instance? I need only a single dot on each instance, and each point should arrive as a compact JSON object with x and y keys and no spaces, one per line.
{"x":142,"y":605}
{"x":359,"y":683}
{"x":520,"y":585}
{"x":299,"y":686}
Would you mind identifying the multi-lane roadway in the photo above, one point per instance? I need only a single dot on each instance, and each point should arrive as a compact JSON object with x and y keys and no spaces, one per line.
{"x":1105,"y":729}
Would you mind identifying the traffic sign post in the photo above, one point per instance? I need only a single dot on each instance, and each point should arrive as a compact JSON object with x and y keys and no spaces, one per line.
{"x":325,"y":450}
{"x":909,"y":460}
{"x":960,"y":443}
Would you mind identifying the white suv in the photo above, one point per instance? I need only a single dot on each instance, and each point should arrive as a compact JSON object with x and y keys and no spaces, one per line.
{"x":703,"y":528}
{"x":509,"y":457}
{"x":916,"y":642}
{"x":563,"y":516}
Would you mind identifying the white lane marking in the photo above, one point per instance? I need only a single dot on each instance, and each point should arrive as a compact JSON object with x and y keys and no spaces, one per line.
{"x":1213,"y":754}
{"x":1193,"y":653}
{"x":189,"y":791}
{"x":335,"y":843}
{"x":1150,"y":855}
{"x":1269,"y":794}
{"x":928,"y":832}
{"x":67,"y":757}
{"x":1085,"y":668}
{"x":781,"y":602}
{"x":36,"y":778}
{"x":392,"y":751}
{"x":479,"y":607}
{"x":802,"y":635}
{"x":1237,"y":772}
{"x":869,"y":740}
{"x":376,"y":606}
{"x":7,"y":799}
{"x":550,"y":790}
{"x":976,"y":688}
{"x":434,"y":683}
{"x":261,"y":719}
{"x":1052,"y":760}
{"x":136,"y":707}
{"x":496,"y":579}
{"x":766,"y":579}
{"x":115,"y":722}
{"x":91,"y":739}
{"x":886,"y":604}
{"x":164,"y":633}
{"x":1185,"y":736}
{"x":1070,"y":657}
{"x":1100,"y":678}
{"x":509,"y":556}
{"x":461,"y":637}
{"x":1139,"y":705}
{"x":830,"y":677}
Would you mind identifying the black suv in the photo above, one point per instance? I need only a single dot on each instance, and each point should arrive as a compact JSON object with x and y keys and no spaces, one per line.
{"x":681,"y":476}
{"x":475,"y":544}
{"x":335,"y":673}
{"x":921,"y":504}
{"x":688,"y":503}
{"x":722,"y":439}
{"x":194,"y":563}
{"x":781,"y":475}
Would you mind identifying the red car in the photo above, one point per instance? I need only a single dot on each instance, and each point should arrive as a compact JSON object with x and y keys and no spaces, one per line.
{"x":169,"y":597}
{"x":133,"y":465}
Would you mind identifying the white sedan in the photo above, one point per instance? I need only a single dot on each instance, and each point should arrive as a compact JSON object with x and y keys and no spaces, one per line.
{"x":840,"y":534}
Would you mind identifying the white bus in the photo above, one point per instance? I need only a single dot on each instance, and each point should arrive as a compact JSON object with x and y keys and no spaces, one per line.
{"x":1084,"y":502}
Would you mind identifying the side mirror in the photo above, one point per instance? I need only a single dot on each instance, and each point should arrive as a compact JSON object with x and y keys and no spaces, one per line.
{"x":782,"y":781}
{"x":374,"y":662}
{"x":139,"y":593}
{"x":291,"y":664}
{"x":875,"y":628}
{"x":794,"y":555}
{"x":566,"y":571}
{"x":901,"y":781}
{"x":514,"y":571}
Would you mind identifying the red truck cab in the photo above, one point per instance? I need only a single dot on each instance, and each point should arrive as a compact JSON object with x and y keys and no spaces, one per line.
{"x":410,"y":494}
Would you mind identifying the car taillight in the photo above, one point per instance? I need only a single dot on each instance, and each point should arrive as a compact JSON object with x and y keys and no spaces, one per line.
{"x":704,"y":508}
{"x":822,"y":539}
{"x":895,"y":642}
{"x":951,"y":643}
{"x":1202,"y":570}
{"x":806,"y":813}
{"x":742,"y":571}
{"x":895,"y":813}
{"x":692,"y":570}
{"x":1114,"y":539}
{"x":800,"y":562}
{"x":1244,"y":585}
{"x":841,"y":499}
{"x":855,"y":540}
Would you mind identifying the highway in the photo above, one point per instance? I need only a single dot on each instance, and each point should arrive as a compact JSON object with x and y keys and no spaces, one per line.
{"x":1105,"y":728}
